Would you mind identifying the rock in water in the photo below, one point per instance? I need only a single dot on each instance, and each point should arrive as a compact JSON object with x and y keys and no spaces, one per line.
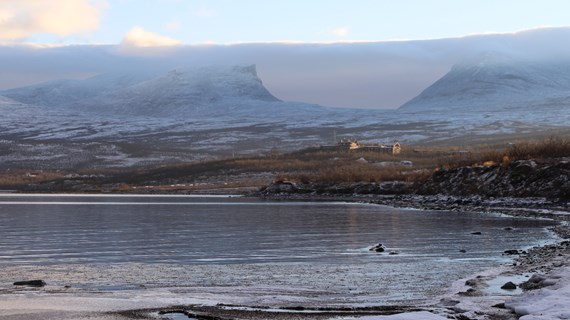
{"x":378,"y":248}
{"x":30,"y":283}
{"x":509,"y":286}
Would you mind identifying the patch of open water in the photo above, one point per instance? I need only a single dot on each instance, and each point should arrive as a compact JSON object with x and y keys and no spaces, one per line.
{"x":103,"y":241}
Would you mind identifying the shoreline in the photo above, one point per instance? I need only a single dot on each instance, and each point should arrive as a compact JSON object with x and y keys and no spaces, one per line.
{"x":475,"y":302}
{"x":471,"y":298}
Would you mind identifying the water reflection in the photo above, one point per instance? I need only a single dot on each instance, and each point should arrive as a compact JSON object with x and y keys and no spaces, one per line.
{"x":49,"y":229}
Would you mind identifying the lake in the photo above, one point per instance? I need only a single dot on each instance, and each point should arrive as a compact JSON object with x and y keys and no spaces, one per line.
{"x":316,"y":249}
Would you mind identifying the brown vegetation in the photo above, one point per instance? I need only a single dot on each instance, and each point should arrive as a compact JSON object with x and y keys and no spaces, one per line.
{"x":553,"y":147}
{"x":308,"y":166}
{"x":15,"y":178}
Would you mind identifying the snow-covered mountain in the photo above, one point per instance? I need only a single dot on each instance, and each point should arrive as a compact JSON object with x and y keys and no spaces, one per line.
{"x":58,"y":93}
{"x":4,"y":101}
{"x":127,"y":118}
{"x":189,"y":92}
{"x":496,"y":83}
{"x":185,"y":92}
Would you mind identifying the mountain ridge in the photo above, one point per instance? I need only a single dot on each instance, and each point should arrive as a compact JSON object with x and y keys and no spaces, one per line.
{"x":177,"y":91}
{"x":493,"y":82}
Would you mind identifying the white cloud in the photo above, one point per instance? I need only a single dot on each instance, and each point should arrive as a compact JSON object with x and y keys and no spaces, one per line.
{"x":22,"y":18}
{"x":141,"y":42}
{"x":340,"y":32}
{"x":140,"y":38}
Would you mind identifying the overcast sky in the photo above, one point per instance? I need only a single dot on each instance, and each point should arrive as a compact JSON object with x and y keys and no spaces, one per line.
{"x":328,"y":64}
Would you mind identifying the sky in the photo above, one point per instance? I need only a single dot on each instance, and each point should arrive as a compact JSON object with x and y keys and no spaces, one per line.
{"x":175,"y":22}
{"x":347,"y":53}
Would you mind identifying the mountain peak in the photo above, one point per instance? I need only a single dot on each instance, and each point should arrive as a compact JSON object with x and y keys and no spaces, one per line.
{"x":186,"y":90}
{"x":494,"y":81}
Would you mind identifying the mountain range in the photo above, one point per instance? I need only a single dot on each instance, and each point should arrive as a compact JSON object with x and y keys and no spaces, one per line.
{"x":189,"y":92}
{"x":160,"y":113}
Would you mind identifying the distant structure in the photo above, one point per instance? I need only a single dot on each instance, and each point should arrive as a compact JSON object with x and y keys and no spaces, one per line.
{"x":347,"y":144}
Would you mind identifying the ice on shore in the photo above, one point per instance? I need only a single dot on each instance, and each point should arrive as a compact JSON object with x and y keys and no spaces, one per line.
{"x":548,"y":303}
{"x":422,"y":315}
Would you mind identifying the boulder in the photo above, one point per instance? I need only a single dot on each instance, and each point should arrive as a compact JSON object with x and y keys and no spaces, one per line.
{"x":509,"y":286}
{"x":378,"y":248}
{"x":30,"y":283}
{"x":537,"y":281}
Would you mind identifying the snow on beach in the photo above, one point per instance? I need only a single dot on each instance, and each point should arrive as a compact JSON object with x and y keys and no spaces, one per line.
{"x":551,"y":302}
{"x":422,"y":315}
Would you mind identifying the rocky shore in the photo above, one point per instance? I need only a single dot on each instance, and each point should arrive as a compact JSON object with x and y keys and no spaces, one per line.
{"x":532,"y":189}
{"x":469,"y":299}
{"x":525,"y":188}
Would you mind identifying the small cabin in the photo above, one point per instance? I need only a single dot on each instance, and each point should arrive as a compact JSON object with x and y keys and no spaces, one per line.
{"x":347,"y":144}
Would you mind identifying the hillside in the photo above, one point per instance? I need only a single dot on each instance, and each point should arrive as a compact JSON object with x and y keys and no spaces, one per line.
{"x":184,"y":91}
{"x":496,"y":82}
{"x":65,"y":92}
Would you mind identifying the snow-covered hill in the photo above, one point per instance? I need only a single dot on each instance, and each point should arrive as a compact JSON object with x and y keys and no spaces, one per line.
{"x":4,"y":101}
{"x":185,"y":92}
{"x":496,"y":83}
{"x":188,"y":92}
{"x":58,"y":93}
{"x":127,"y":118}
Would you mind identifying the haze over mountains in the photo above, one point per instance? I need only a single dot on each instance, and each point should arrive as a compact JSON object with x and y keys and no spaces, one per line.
{"x":207,"y":101}
{"x":184,"y":92}
{"x":364,"y":75}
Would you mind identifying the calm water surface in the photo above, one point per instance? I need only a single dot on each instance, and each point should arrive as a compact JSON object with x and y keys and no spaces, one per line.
{"x":59,"y":229}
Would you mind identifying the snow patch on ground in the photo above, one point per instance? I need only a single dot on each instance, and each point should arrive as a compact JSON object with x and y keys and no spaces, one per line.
{"x":548,"y":303}
{"x":423,"y":315}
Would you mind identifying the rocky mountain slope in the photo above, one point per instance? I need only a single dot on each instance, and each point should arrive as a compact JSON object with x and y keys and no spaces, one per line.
{"x":189,"y":92}
{"x":59,"y":93}
{"x":497,"y":82}
{"x":186,"y":91}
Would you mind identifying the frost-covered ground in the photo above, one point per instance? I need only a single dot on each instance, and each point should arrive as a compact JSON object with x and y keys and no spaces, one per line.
{"x":551,"y":302}
{"x":55,"y":139}
{"x":149,"y":117}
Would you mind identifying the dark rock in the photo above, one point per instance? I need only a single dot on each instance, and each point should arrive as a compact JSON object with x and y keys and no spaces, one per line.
{"x":394,"y":252}
{"x":470,"y":292}
{"x":522,"y":178}
{"x":509,"y":286}
{"x":508,"y":229}
{"x":477,"y":233}
{"x":500,"y":306}
{"x":448,"y":302}
{"x":511,"y":252}
{"x":30,"y":283}
{"x":471,"y":282}
{"x":535,"y":282}
{"x":378,"y":248}
{"x":463,"y":251}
